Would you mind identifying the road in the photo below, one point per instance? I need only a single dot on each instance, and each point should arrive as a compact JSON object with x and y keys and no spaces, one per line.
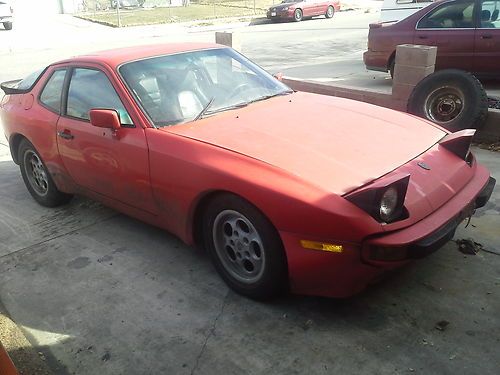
{"x":276,"y":47}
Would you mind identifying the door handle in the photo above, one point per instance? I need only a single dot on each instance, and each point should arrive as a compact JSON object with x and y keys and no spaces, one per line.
{"x":66,"y":134}
{"x":486,"y":36}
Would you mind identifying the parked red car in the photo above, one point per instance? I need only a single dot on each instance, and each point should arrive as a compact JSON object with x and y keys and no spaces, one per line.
{"x":297,"y":10}
{"x":466,"y":32}
{"x":198,"y":140}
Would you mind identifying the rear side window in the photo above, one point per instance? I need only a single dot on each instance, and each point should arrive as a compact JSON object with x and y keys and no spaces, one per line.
{"x":28,"y":82}
{"x":91,"y":89}
{"x":51,"y":93}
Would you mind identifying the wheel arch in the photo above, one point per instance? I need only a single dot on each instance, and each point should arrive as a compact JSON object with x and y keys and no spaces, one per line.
{"x":196,"y":214}
{"x":14,"y":142}
{"x":392,"y":58}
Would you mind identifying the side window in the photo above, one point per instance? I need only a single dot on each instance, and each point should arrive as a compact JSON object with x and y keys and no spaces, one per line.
{"x":490,"y":10}
{"x":28,"y":82}
{"x":456,"y":15}
{"x":89,"y":89}
{"x":51,"y":93}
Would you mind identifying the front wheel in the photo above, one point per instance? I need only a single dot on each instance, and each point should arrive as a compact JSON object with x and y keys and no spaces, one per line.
{"x":297,"y":15}
{"x":37,"y":178}
{"x":329,"y":12}
{"x":245,"y":247}
{"x":7,"y":25}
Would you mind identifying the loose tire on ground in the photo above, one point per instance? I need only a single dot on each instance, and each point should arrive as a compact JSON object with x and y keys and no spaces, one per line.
{"x":245,"y":247}
{"x":451,"y":98}
{"x":330,"y":11}
{"x":37,"y":178}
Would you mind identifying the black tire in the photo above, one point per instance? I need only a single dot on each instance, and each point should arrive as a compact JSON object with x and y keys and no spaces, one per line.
{"x":330,"y":11}
{"x":297,"y":15}
{"x":451,"y":98}
{"x":392,"y":66}
{"x":37,"y":178}
{"x":255,"y":268}
{"x":7,"y":25}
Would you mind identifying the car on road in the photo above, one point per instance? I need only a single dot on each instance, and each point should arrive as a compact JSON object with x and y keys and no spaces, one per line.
{"x":297,"y":10}
{"x":285,"y":190}
{"x":6,"y":14}
{"x":466,"y":32}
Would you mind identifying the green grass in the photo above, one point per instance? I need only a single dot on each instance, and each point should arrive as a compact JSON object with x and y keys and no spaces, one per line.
{"x":193,"y":12}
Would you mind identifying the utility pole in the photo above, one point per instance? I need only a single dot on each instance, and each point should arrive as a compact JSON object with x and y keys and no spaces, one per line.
{"x":118,"y":13}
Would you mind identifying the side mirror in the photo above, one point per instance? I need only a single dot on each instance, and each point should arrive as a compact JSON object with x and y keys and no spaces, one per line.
{"x":278,"y":76}
{"x":105,"y":118}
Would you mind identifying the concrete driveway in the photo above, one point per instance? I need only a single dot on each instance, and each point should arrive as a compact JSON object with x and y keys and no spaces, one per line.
{"x":97,"y":292}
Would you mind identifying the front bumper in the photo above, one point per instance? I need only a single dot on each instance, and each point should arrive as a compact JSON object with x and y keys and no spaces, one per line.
{"x":347,"y":273}
{"x":280,"y":14}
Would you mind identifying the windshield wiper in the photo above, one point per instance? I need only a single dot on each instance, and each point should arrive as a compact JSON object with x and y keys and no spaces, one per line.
{"x":205,"y":109}
{"x":265,"y":97}
{"x":234,"y":106}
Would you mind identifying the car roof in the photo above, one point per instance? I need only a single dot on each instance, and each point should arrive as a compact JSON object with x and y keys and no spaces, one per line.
{"x":118,"y":56}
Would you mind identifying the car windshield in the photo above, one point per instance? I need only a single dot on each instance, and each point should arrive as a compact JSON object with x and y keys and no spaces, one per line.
{"x":187,"y":86}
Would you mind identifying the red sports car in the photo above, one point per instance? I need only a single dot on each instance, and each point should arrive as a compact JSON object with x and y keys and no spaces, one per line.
{"x":466,"y":32}
{"x":198,"y":140}
{"x":297,"y":10}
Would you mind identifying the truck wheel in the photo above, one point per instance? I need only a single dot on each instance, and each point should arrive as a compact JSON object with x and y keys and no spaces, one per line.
{"x":7,"y":25}
{"x":451,"y":98}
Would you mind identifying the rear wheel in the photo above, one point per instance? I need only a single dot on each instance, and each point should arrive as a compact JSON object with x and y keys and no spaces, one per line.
{"x":329,"y":12}
{"x":7,"y":25}
{"x":297,"y":15}
{"x":37,"y":178}
{"x":245,"y":248}
{"x":392,"y":65}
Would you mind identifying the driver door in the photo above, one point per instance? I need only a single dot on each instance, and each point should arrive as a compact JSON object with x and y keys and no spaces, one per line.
{"x":114,"y":164}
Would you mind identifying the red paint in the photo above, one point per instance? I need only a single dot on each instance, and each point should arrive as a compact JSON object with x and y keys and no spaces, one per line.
{"x":284,"y":155}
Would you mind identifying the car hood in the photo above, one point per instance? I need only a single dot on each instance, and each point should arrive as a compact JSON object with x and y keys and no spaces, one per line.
{"x":336,"y":144}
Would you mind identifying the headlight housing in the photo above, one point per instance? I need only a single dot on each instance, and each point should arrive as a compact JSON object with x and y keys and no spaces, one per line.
{"x":285,"y":8}
{"x":384,"y":199}
{"x":388,"y":204}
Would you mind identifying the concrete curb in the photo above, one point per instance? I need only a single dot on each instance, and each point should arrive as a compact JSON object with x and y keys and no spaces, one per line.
{"x":491,"y":130}
{"x":17,"y":354}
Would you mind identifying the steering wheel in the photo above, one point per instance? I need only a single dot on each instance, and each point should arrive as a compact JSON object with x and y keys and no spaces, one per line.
{"x":237,"y":89}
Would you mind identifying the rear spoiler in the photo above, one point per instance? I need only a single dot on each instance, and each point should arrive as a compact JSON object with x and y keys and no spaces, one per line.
{"x":459,"y":142}
{"x":378,"y":25}
{"x":10,"y":87}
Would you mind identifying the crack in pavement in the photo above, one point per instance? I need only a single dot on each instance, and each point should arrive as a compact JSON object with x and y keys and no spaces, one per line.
{"x":210,"y":333}
{"x":59,"y":236}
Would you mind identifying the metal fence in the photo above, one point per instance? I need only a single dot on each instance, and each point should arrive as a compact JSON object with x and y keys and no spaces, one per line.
{"x":142,"y":12}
